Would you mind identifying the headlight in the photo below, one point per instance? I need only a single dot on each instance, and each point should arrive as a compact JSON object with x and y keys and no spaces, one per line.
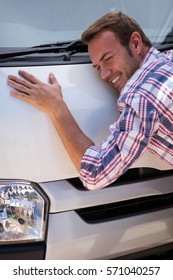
{"x":23,"y":212}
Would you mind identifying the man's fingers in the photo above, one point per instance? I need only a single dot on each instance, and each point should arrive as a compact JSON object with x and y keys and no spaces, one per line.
{"x":29,"y":77}
{"x":14,"y":80}
{"x":29,"y":80}
{"x":20,"y":95}
{"x":19,"y":84}
{"x":31,"y":86}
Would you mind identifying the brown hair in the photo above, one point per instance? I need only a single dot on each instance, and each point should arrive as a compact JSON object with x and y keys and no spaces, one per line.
{"x":122,"y":25}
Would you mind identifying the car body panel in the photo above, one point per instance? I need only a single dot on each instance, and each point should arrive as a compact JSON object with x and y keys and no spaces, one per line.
{"x":108,"y":240}
{"x":71,"y":237}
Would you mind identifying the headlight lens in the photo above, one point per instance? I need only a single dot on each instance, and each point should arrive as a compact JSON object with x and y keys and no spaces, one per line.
{"x":23,"y":212}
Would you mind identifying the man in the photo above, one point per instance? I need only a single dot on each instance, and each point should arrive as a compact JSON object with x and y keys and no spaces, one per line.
{"x":125,"y":58}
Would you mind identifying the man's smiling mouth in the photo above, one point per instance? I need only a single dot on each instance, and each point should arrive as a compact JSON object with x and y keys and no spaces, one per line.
{"x":115,"y":79}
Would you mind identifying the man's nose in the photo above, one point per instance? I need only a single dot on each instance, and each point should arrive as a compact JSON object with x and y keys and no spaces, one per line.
{"x":105,"y":72}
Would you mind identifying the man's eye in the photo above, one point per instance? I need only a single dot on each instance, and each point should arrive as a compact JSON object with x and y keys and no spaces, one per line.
{"x":108,"y":59}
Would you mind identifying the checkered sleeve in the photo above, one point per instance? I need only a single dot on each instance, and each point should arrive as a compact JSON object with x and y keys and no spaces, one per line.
{"x":129,"y":138}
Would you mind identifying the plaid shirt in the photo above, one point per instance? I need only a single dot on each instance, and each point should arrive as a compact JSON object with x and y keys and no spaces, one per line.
{"x":146,"y":122}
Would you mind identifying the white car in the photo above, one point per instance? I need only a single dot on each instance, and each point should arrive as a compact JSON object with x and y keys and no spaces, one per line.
{"x":45,"y":212}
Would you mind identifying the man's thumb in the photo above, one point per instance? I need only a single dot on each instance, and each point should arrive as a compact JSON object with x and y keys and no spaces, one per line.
{"x":52,"y":78}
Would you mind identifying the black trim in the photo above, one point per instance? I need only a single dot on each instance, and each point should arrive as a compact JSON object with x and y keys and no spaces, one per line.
{"x":164,"y":47}
{"x":124,"y":209}
{"x":29,"y":251}
{"x":45,"y":60}
{"x":131,"y":176}
{"x":163,"y":252}
{"x":79,"y":56}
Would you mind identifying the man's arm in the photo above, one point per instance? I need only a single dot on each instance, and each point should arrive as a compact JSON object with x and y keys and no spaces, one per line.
{"x":48,"y":98}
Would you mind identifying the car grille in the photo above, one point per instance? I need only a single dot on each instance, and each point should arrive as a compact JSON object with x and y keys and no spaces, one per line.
{"x":127,"y":208}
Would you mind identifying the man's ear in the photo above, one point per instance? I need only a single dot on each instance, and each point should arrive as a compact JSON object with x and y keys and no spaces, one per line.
{"x":136,"y":42}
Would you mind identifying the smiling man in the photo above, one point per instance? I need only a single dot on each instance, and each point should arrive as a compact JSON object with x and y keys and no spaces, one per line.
{"x":143,"y":76}
{"x":108,"y":57}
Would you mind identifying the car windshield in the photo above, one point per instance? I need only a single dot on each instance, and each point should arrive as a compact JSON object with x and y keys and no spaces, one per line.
{"x":26,"y":23}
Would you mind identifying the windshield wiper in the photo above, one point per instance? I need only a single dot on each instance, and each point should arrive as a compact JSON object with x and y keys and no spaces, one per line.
{"x":70,"y":47}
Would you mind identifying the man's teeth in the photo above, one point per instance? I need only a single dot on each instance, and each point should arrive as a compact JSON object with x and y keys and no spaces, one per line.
{"x":115,"y":80}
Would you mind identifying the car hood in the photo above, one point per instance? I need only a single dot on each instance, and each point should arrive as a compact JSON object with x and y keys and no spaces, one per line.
{"x":30,"y":146}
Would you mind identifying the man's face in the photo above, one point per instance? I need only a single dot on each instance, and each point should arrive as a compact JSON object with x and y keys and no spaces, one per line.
{"x":114,"y":62}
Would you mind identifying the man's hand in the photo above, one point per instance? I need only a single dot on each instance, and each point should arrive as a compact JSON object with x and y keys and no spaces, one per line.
{"x":45,"y":97}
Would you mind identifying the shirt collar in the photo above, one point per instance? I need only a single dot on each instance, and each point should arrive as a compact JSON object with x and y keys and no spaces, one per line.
{"x":150,"y":56}
{"x":152,"y":53}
